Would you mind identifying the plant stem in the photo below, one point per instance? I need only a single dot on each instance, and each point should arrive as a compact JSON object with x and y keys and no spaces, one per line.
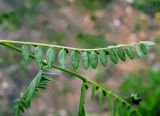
{"x":61,"y":47}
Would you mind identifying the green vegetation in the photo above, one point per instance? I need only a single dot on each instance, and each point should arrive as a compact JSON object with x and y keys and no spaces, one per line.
{"x":89,"y":57}
{"x":148,"y":6}
{"x":93,"y":40}
{"x":146,"y":85}
{"x":9,"y":18}
{"x":94,"y":4}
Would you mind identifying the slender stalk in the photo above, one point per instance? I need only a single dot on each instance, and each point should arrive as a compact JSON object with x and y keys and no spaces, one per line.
{"x":60,"y":47}
{"x":84,"y":79}
{"x":82,"y":100}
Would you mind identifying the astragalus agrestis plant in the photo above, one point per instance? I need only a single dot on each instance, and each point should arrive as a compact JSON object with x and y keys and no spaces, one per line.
{"x":88,"y":57}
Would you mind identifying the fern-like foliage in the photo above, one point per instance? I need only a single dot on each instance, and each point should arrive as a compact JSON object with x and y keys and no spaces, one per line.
{"x":24,"y":102}
{"x":88,"y":57}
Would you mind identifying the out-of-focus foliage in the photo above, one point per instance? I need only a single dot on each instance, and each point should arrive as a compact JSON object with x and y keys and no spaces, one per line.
{"x":9,"y":18}
{"x":57,"y":36}
{"x":13,"y":18}
{"x":90,"y":41}
{"x":146,"y":84}
{"x":94,"y":4}
{"x":30,"y":4}
{"x":148,"y":6}
{"x":157,"y":48}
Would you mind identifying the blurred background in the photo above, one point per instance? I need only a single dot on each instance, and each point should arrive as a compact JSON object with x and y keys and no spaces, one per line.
{"x":84,"y":24}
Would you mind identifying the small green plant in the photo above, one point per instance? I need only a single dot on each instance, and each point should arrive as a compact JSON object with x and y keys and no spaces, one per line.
{"x":93,"y":40}
{"x":94,"y":4}
{"x":8,"y":18}
{"x":89,"y":57}
{"x":145,"y":84}
{"x":148,"y":6}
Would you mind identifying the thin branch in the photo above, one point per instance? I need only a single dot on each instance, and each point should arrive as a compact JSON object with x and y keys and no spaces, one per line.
{"x":64,"y":47}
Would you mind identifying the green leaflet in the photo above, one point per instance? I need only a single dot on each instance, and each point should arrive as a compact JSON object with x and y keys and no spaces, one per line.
{"x":108,"y":101}
{"x":143,"y":49}
{"x":25,"y":53}
{"x":82,"y":100}
{"x":38,"y":55}
{"x":137,"y":52}
{"x":50,"y":56}
{"x":148,"y":43}
{"x":120,"y":108}
{"x":129,"y":52}
{"x":131,"y":112}
{"x":62,"y":57}
{"x":100,"y":97}
{"x":93,"y":58}
{"x":115,"y":107}
{"x":17,"y":111}
{"x":85,"y":60}
{"x":103,"y":57}
{"x":104,"y":93}
{"x":93,"y":90}
{"x":97,"y":88}
{"x":121,"y":54}
{"x":126,"y":110}
{"x":75,"y":57}
{"x":113,"y":56}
